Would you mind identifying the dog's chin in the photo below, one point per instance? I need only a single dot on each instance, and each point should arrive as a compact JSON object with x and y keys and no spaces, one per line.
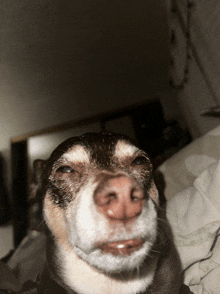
{"x":113,"y":261}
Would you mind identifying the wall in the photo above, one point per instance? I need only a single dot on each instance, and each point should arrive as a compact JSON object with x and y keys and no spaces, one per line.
{"x":41,"y":146}
{"x":202,"y":90}
{"x":61,"y":60}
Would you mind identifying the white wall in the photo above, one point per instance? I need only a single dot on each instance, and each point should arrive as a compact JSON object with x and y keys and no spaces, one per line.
{"x":197,"y":95}
{"x":62,"y":60}
{"x":41,"y":147}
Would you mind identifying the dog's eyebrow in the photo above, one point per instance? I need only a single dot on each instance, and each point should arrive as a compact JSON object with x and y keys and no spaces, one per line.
{"x":77,"y":153}
{"x":124,"y":149}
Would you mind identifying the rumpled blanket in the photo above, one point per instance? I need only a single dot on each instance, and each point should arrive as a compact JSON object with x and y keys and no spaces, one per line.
{"x":194,"y":215}
{"x":20,"y":273}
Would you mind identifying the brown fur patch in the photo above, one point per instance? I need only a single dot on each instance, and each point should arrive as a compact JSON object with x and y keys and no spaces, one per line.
{"x":55,"y":219}
{"x":153,"y":193}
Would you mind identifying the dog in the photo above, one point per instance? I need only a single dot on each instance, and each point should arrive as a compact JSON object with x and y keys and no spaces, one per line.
{"x":106,"y":233}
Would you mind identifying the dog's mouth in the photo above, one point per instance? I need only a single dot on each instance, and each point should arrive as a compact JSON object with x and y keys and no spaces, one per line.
{"x":124,"y":247}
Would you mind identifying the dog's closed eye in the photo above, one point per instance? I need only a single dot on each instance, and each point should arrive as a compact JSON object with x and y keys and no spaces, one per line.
{"x":139,"y":161}
{"x":65,"y":169}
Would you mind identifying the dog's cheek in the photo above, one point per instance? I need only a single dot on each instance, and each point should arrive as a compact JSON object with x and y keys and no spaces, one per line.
{"x":63,"y":190}
{"x":55,"y":219}
{"x":83,"y":220}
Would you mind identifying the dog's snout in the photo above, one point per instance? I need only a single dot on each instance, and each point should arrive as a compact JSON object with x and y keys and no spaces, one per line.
{"x":120,"y":198}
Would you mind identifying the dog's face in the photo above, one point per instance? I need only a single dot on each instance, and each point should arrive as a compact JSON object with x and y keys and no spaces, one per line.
{"x":100,"y":201}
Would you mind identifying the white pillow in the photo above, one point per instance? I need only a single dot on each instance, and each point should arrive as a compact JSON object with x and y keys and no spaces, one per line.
{"x":194,"y":216}
{"x":183,"y":168}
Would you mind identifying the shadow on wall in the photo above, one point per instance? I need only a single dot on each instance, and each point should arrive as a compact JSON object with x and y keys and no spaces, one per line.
{"x":87,"y":51}
{"x":121,"y":48}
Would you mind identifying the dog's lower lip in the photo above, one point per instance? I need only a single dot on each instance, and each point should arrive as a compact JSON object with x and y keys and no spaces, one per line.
{"x":124,"y":247}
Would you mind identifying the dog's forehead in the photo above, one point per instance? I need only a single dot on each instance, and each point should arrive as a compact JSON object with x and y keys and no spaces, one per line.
{"x":77,"y":153}
{"x":124,"y":149}
{"x":101,"y":150}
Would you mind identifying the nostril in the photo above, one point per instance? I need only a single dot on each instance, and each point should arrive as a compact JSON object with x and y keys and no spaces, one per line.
{"x":105,"y":198}
{"x":136,"y":195}
{"x":134,"y":198}
{"x":110,"y":197}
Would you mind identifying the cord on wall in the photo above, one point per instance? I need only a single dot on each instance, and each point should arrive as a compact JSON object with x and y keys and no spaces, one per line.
{"x":187,"y":33}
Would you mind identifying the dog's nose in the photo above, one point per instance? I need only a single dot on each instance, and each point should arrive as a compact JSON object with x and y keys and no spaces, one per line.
{"x":120,"y":198}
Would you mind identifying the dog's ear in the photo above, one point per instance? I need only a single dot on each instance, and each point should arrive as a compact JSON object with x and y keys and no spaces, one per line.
{"x":38,"y":168}
{"x":153,"y":193}
{"x":161,"y":185}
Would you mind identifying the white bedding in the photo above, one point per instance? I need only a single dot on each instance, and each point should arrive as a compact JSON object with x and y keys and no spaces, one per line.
{"x":194,"y":215}
{"x":194,"y":212}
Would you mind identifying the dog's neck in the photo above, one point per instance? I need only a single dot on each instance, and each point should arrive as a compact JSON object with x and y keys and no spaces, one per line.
{"x":76,"y":276}
{"x":48,"y":283}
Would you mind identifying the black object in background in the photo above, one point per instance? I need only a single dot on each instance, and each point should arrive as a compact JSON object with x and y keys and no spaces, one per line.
{"x":158,"y":137}
{"x":19,"y":190}
{"x":5,"y":211}
{"x":149,"y":124}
